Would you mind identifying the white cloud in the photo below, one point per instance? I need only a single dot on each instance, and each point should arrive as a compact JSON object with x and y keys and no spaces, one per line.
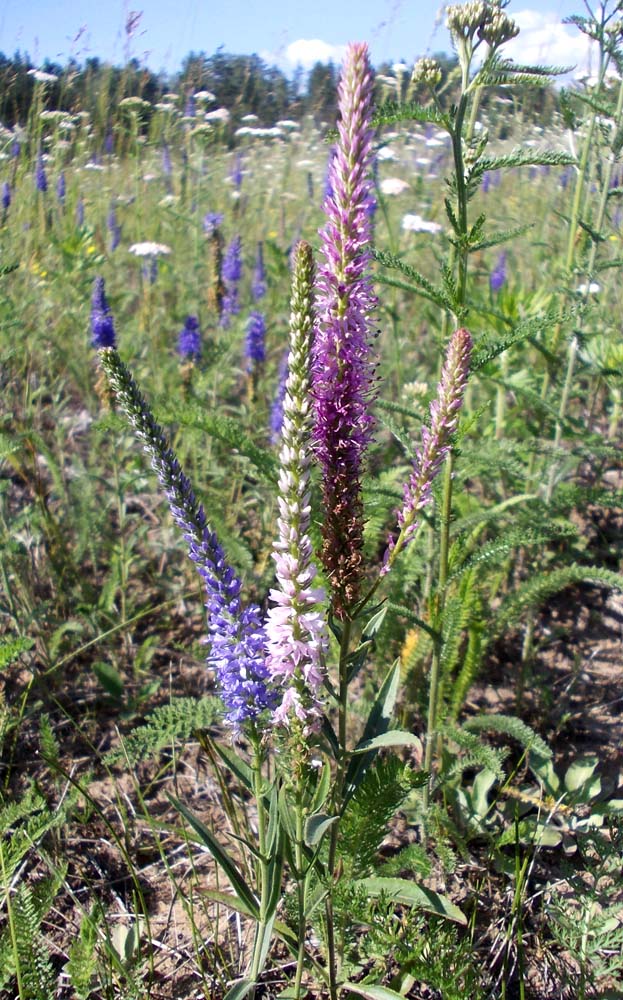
{"x":542,"y":39}
{"x":306,"y":52}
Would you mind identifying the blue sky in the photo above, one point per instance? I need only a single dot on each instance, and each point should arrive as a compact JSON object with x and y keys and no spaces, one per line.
{"x":278,"y":30}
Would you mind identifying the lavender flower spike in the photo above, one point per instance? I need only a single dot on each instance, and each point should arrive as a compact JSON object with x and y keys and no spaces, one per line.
{"x":295,"y":628}
{"x":444,"y":418}
{"x":236,"y":634}
{"x":343,"y":373}
{"x":231,"y":274}
{"x":102,"y":323}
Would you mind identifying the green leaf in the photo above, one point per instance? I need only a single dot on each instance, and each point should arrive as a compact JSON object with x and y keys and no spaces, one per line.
{"x":538,"y":588}
{"x":510,"y":726}
{"x":378,"y":723}
{"x":579,"y":772}
{"x":11,"y":649}
{"x":236,"y":764}
{"x":322,"y":788}
{"x":227,"y":899}
{"x":374,"y":623}
{"x":400,"y":890}
{"x":373,"y":992}
{"x":421,"y":284}
{"x":110,"y":679}
{"x":316,"y":826}
{"x":240,"y":990}
{"x":220,"y":855}
{"x":394,"y":738}
{"x":229,"y":431}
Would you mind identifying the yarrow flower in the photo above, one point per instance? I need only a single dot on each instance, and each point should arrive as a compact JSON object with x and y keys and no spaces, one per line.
{"x":189,"y":341}
{"x":343,"y":372}
{"x":102,"y":323}
{"x":255,"y":346}
{"x":295,"y":628}
{"x":149,"y":249}
{"x":236,"y":634}
{"x":444,"y":418}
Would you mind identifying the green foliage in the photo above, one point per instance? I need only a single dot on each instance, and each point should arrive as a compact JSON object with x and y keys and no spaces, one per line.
{"x":24,"y":955}
{"x":166,"y":726}
{"x":384,"y":788}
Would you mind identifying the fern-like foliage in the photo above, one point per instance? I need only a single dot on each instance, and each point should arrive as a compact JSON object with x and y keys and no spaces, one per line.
{"x":167,"y":724}
{"x":22,"y":946}
{"x":508,"y":725}
{"x":537,"y":589}
{"x":11,"y":649}
{"x":391,"y":113}
{"x":377,"y":799}
{"x":229,"y":432}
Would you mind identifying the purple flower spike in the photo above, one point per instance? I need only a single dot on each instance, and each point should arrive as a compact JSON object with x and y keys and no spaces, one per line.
{"x":6,"y":196}
{"x":497,"y":278}
{"x":258,"y":286}
{"x":61,"y":188}
{"x":189,"y":342}
{"x":231,"y":275}
{"x":114,"y":229}
{"x":236,"y":635}
{"x":255,"y":346}
{"x":444,"y":419}
{"x":211,"y":222}
{"x":41,"y":180}
{"x":276,"y":413}
{"x":295,"y":627}
{"x":343,"y":373}
{"x":102,"y":324}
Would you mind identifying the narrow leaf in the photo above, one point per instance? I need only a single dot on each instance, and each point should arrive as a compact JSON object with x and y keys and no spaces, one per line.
{"x":221,"y":857}
{"x":400,"y":890}
{"x":394,"y":738}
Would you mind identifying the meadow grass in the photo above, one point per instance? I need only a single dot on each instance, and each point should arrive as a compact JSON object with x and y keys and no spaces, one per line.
{"x":505,"y":821}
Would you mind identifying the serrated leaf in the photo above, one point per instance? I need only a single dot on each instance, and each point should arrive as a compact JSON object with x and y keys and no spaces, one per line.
{"x":399,"y":890}
{"x":508,"y":725}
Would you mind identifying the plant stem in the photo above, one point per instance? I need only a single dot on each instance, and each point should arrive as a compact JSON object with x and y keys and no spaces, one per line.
{"x":300,"y":884}
{"x":338,"y":794}
{"x":262,"y":874}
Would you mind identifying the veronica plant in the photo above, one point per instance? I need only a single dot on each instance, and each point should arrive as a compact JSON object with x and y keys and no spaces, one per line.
{"x":285,"y":684}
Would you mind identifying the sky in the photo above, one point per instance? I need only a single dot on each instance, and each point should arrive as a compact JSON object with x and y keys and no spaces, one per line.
{"x":279,"y":31}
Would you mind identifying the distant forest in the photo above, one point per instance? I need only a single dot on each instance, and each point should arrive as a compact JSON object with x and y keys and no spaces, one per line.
{"x":244,"y":85}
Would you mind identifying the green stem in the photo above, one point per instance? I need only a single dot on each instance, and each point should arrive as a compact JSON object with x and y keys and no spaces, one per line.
{"x":435,"y":674}
{"x":338,"y":794}
{"x":262,"y":865}
{"x":300,"y":881}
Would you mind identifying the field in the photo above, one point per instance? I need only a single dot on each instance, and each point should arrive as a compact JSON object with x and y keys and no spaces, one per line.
{"x":440,"y":814}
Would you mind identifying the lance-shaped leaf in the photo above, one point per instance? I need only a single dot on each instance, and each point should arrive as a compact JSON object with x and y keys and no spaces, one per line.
{"x":378,"y":722}
{"x":222,"y":858}
{"x":400,"y":890}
